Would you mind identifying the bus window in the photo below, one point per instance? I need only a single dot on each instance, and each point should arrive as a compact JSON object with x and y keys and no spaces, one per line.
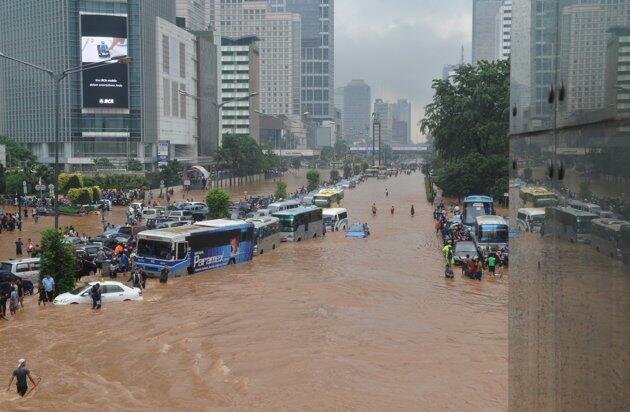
{"x":182,"y":249}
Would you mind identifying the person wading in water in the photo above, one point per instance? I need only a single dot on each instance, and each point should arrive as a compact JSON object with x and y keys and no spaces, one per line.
{"x":20,"y":374}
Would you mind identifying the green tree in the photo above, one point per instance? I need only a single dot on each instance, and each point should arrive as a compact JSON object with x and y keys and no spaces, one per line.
{"x":327,"y":152}
{"x":3,"y":179}
{"x":341,"y":149}
{"x":347,"y":170}
{"x":281,"y":190}
{"x":469,"y":119}
{"x":470,"y":112}
{"x":170,"y":172}
{"x":218,"y":202}
{"x":13,"y":182}
{"x":334,"y":175}
{"x":58,"y":260}
{"x":312,"y":177}
{"x":16,"y":154}
{"x":357,"y":168}
{"x":296,"y":163}
{"x":134,"y":165}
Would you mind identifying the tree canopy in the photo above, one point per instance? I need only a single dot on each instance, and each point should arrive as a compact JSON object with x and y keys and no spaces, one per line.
{"x":469,"y":122}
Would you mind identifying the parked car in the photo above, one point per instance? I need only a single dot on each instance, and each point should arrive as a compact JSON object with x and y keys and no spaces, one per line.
{"x":89,"y":250}
{"x":111,"y":291}
{"x":198,"y":208}
{"x":179,"y":214}
{"x":149,"y":213}
{"x":181,"y":205}
{"x":27,"y":268}
{"x":463,"y":248}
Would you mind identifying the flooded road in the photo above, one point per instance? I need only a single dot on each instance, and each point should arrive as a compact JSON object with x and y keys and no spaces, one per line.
{"x":328,"y":324}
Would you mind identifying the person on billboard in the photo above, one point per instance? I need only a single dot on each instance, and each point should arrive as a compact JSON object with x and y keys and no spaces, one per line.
{"x":233,"y":249}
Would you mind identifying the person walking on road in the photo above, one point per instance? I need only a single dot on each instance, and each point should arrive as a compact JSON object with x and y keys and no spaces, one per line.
{"x":95,"y":293}
{"x":18,"y":247}
{"x":386,"y":193}
{"x":373,"y":209}
{"x":20,"y":374}
{"x":413,"y":211}
{"x":49,"y":287}
{"x":391,"y":211}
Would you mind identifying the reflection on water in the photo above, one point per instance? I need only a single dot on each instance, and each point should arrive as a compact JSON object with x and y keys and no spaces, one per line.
{"x":331,"y":323}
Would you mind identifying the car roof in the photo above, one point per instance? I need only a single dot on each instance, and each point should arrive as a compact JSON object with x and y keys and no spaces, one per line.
{"x":105,"y":282}
{"x":25,"y":260}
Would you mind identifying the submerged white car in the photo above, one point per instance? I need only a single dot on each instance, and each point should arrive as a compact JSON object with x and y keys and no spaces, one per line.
{"x":110,"y":292}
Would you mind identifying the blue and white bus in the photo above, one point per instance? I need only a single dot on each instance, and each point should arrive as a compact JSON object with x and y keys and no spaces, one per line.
{"x":195,"y":248}
{"x":474,"y":206}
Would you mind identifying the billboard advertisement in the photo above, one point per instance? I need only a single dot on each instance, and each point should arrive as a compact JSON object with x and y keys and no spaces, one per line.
{"x":163,"y":152}
{"x":104,"y":37}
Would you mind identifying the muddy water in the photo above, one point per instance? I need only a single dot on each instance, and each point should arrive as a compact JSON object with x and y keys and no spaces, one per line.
{"x":328,"y":324}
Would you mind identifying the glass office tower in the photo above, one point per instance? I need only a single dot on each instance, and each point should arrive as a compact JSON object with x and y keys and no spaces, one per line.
{"x":569,"y":307}
{"x":49,"y":34}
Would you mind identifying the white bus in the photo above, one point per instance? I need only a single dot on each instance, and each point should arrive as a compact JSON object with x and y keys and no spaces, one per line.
{"x":491,"y":233}
{"x":530,"y":219}
{"x":284,"y":205}
{"x":336,"y":218}
{"x":266,"y":233}
{"x":301,"y":223}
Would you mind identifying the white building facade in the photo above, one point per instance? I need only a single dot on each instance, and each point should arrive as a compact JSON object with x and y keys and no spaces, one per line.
{"x":176,"y":77}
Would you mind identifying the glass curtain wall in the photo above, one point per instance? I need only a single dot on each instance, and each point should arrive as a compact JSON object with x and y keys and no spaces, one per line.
{"x":569,"y":310}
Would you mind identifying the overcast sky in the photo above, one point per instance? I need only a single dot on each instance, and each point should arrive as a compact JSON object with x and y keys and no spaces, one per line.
{"x":399,"y":46}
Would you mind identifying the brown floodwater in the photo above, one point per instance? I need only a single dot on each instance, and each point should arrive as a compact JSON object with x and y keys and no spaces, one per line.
{"x":328,"y":324}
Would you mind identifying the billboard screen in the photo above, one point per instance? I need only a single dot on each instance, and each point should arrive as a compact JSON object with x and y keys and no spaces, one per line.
{"x":104,"y":37}
{"x":163,"y":152}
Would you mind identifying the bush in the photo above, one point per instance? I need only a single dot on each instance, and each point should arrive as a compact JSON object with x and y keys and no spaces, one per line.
{"x":218,"y":202}
{"x":134,"y":165}
{"x":80,"y":196}
{"x":57,"y":260}
{"x":69,"y":181}
{"x":312,"y":177}
{"x":281,"y":190}
{"x":96,"y":194}
{"x":118,"y":181}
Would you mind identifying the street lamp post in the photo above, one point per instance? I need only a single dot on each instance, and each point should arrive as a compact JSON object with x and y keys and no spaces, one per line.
{"x":57,"y":78}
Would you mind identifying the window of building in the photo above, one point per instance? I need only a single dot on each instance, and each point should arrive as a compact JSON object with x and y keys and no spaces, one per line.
{"x":182,"y":60}
{"x":166,"y":91}
{"x":182,"y":101}
{"x":165,"y":54}
{"x":175,"y":99}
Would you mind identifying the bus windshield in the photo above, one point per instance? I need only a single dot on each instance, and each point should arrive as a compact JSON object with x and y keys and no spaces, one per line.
{"x":286,"y":224}
{"x":155,"y":249}
{"x":322,"y":201}
{"x":493,"y":234}
{"x":473,"y":210}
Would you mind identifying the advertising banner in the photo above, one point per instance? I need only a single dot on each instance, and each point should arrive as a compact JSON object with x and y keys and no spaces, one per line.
{"x":104,"y":37}
{"x":163,"y":152}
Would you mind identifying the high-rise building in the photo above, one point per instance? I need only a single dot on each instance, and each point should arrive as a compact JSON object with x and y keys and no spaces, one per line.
{"x":357,"y":102}
{"x":192,"y":14}
{"x":280,"y":46}
{"x":240,"y":77}
{"x":401,"y":122}
{"x":448,"y":71}
{"x":317,"y":55}
{"x":384,"y":112}
{"x":339,"y":93}
{"x":503,"y":29}
{"x":485,"y":36}
{"x":116,"y":110}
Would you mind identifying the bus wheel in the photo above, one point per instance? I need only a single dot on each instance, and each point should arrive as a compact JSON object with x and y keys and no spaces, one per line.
{"x":262,"y":251}
{"x":273,"y":247}
{"x":299,"y":239}
{"x":314,"y":235}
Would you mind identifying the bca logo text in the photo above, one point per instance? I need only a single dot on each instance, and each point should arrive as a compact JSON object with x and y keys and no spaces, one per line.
{"x":106,"y":101}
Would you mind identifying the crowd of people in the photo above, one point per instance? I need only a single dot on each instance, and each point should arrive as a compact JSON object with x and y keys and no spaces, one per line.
{"x":451,"y":230}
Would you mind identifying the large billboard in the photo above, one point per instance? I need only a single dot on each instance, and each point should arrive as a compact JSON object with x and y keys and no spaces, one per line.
{"x":104,"y":37}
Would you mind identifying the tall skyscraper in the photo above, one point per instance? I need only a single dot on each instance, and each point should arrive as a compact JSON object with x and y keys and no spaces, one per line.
{"x":401,"y":123}
{"x":485,"y":36}
{"x":339,"y":92}
{"x":240,"y":77}
{"x":503,"y":22}
{"x":192,"y":14}
{"x":318,"y":53}
{"x":280,"y":45}
{"x":357,"y":102}
{"x":385,"y":115}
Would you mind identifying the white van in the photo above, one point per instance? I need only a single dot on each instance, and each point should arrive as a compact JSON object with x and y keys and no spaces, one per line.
{"x":149,"y":213}
{"x":27,"y":268}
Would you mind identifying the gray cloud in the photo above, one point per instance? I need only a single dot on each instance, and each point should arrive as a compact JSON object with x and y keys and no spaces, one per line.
{"x":399,"y":46}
